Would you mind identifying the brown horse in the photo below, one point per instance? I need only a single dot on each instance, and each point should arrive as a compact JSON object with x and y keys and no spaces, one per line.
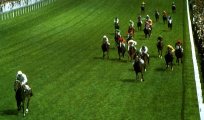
{"x":145,"y":57}
{"x":105,"y":49}
{"x":131,"y":31}
{"x":160,"y":47}
{"x":121,"y":51}
{"x":138,"y":67}
{"x":22,"y":96}
{"x":132,"y":53}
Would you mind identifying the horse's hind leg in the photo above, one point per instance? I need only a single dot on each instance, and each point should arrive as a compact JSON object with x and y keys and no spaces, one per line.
{"x":28,"y":101}
{"x":142,"y":78}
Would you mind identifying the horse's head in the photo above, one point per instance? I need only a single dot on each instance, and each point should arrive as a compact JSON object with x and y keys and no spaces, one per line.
{"x":17,"y":85}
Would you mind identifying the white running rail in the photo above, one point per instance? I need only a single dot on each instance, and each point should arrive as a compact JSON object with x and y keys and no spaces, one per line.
{"x":195,"y":65}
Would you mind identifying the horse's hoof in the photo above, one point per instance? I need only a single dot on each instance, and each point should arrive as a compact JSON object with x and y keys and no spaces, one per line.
{"x":23,"y":114}
{"x":145,"y":70}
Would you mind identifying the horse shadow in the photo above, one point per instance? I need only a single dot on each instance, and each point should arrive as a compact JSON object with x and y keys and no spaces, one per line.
{"x":130,"y":81}
{"x":117,"y":60}
{"x":160,"y":69}
{"x":8,"y":112}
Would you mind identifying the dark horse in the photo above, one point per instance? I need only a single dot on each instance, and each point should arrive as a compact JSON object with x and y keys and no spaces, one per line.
{"x":139,"y":25}
{"x":121,"y":51}
{"x":138,"y":68}
{"x":169,"y":60}
{"x":145,"y":57}
{"x":179,"y":55}
{"x":173,"y":7}
{"x":160,"y":46}
{"x":132,"y":53}
{"x":147,"y":32}
{"x":22,"y":96}
{"x":157,"y":15}
{"x":105,"y":49}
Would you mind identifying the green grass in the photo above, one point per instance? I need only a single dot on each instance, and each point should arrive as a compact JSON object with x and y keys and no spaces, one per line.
{"x":58,"y":47}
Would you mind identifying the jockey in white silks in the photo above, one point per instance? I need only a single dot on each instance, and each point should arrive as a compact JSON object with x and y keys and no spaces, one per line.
{"x":144,"y":50}
{"x":105,"y":40}
{"x":116,"y":20}
{"x":131,"y":23}
{"x":132,"y":43}
{"x":23,"y":79}
{"x":179,"y":45}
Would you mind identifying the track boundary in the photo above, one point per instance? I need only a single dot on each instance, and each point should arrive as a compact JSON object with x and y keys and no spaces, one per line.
{"x":195,"y":66}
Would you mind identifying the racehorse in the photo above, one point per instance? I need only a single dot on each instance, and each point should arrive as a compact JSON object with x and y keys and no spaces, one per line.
{"x":147,"y":32}
{"x":164,"y":18}
{"x":117,"y":27}
{"x":131,"y":30}
{"x":170,"y":24}
{"x":132,"y":53}
{"x":121,"y":51}
{"x":145,"y":57}
{"x":160,"y":47}
{"x":139,"y":25}
{"x":169,"y":60}
{"x":138,"y":67}
{"x":22,"y":96}
{"x":179,"y":55}
{"x":173,"y":7}
{"x":157,"y":16}
{"x":105,"y":49}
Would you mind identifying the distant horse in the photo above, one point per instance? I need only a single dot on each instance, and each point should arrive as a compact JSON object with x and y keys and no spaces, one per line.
{"x":160,"y":46}
{"x":164,"y":18}
{"x":121,"y":51}
{"x":138,"y":68}
{"x":139,"y":25}
{"x":22,"y":96}
{"x":145,"y":57}
{"x":173,"y":7}
{"x":170,"y":24}
{"x":105,"y":49}
{"x":131,"y":30}
{"x":179,"y":55}
{"x":147,"y":32}
{"x":157,"y":16}
{"x":169,"y":60}
{"x":132,"y":53}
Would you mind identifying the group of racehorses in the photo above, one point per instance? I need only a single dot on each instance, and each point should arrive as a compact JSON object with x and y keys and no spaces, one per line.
{"x":136,"y":56}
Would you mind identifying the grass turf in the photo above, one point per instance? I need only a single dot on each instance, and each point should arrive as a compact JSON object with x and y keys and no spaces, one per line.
{"x":58,"y":47}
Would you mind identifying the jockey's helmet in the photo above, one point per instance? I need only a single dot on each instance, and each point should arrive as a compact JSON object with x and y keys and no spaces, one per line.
{"x":19,"y":72}
{"x":104,"y":36}
{"x":143,"y":47}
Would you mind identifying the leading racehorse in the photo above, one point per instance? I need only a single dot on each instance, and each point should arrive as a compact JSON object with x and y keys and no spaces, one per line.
{"x":132,"y":53}
{"x":22,"y":96}
{"x":145,"y":57}
{"x":169,"y":60}
{"x":138,"y":67}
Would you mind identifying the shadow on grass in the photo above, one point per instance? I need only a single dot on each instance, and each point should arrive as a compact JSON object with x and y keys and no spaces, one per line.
{"x":8,"y":112}
{"x":130,"y":81}
{"x":160,"y":69}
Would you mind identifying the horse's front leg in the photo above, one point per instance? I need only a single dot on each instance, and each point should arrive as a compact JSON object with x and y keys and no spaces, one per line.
{"x":28,"y":101}
{"x":142,"y":78}
{"x":23,"y":108}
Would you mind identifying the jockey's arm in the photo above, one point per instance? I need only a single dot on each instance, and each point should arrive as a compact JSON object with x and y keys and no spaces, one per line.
{"x":25,"y":80}
{"x":146,"y":49}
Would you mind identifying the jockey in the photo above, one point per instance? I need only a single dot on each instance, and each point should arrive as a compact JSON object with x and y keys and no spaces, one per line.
{"x":105,"y":40}
{"x":149,"y":21}
{"x":160,"y":38}
{"x":23,"y":79}
{"x":143,"y":6}
{"x":121,"y":41}
{"x":116,"y":20}
{"x":169,"y":20}
{"x":178,"y":45}
{"x":170,"y":49}
{"x":144,"y":50}
{"x":116,"y":23}
{"x":131,"y":23}
{"x":132,"y":43}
